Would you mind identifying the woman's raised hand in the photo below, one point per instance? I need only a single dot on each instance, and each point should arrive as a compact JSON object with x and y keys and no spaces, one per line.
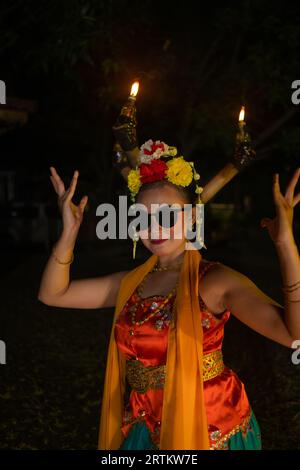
{"x":72,"y":215}
{"x":281,"y":227}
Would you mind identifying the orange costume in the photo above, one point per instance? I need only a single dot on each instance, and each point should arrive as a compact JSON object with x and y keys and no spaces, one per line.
{"x":141,"y":415}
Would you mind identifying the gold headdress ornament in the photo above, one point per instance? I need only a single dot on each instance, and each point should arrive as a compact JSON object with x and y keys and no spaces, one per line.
{"x":153,"y":166}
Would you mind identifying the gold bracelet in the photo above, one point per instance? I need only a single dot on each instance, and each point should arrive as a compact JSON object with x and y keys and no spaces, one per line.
{"x":62,"y":262}
{"x":290,"y":289}
{"x":291,"y":285}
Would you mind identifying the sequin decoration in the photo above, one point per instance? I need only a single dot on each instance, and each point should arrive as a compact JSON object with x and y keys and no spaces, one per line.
{"x":214,"y":435}
{"x":164,"y":318}
{"x":220,"y":442}
{"x":206,"y":323}
{"x":154,"y":305}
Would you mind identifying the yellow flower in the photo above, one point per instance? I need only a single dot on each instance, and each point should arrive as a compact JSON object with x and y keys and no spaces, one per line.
{"x":179,"y":171}
{"x":134,"y":181}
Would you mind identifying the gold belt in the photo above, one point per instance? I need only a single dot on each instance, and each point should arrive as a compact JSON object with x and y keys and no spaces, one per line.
{"x":141,"y":378}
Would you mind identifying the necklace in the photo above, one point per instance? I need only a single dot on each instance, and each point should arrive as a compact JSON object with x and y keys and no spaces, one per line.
{"x":154,"y":310}
{"x":165,"y":268}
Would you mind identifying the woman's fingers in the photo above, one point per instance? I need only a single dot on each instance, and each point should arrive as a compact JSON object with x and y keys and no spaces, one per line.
{"x":53,"y":183}
{"x":281,"y":202}
{"x":278,"y":197}
{"x":83,"y":203}
{"x":57,"y":181}
{"x":289,"y":194}
{"x":296,"y":199}
{"x":65,"y":196}
{"x":71,"y":190}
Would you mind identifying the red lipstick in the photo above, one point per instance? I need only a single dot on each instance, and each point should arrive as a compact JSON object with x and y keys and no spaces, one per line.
{"x":158,"y":241}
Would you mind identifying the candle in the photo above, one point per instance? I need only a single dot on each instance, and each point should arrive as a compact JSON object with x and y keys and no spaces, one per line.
{"x":242,"y":114}
{"x":125,"y":126}
{"x":128,"y":108}
{"x":134,"y":90}
{"x":244,"y":155}
{"x":242,"y":122}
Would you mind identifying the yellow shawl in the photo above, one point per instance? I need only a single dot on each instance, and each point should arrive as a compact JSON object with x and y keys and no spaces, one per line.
{"x":184,"y":421}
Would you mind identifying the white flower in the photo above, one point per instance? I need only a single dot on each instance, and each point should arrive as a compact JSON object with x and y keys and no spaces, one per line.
{"x":147,"y":145}
{"x":158,"y":153}
{"x":164,"y":149}
{"x":145,"y":158}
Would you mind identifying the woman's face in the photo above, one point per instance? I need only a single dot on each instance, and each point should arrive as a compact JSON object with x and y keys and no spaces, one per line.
{"x":163,"y":241}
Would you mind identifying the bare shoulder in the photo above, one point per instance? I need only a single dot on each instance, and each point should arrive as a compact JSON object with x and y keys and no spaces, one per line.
{"x":213,"y":281}
{"x":216,"y":280}
{"x":230,"y":277}
{"x":210,"y":269}
{"x":225,"y":281}
{"x":219,"y":271}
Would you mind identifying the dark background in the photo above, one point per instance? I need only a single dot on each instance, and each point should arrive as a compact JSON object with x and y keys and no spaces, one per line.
{"x":68,"y":66}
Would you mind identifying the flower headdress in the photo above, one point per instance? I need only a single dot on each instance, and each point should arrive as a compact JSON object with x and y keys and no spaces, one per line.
{"x":152,"y":167}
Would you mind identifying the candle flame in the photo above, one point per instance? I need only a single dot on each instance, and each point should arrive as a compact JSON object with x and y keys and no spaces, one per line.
{"x":242,"y":114}
{"x":134,"y":89}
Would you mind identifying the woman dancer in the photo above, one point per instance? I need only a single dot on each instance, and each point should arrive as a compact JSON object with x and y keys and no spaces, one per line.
{"x":166,"y":386}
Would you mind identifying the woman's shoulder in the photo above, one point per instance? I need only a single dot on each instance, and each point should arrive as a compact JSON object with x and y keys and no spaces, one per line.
{"x":211,"y":265}
{"x":218,"y":273}
{"x":211,"y":285}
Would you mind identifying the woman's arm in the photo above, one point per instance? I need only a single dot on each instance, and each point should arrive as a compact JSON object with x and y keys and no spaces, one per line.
{"x":57,"y":290}
{"x":252,"y":306}
{"x":290,"y":271}
{"x":248,"y":303}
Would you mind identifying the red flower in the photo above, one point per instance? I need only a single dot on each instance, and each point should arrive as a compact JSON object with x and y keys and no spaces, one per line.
{"x":153,"y":171}
{"x":158,"y":146}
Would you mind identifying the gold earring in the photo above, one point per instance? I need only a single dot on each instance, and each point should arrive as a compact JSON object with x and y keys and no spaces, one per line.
{"x":199,"y":224}
{"x":135,"y":240}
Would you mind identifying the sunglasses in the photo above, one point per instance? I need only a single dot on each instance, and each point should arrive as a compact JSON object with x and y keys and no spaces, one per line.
{"x":166,"y":216}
